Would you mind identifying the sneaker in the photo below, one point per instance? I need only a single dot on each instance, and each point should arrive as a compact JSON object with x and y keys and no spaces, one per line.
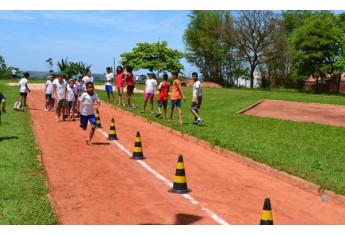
{"x":195,"y":122}
{"x":133,"y":106}
{"x":45,"y":109}
{"x":199,"y":121}
{"x":158,"y":115}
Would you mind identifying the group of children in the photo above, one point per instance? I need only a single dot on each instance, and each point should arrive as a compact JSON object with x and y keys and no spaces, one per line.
{"x":176,"y":96}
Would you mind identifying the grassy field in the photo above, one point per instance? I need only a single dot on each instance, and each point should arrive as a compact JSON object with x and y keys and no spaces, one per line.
{"x":313,"y":152}
{"x":23,"y":192}
{"x":310,"y":151}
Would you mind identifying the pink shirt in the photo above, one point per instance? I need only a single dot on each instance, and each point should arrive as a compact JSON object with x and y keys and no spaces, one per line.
{"x":119,"y":80}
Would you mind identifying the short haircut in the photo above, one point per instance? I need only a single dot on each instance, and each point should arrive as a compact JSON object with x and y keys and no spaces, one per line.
{"x":129,"y":69}
{"x":165,"y":76}
{"x":194,"y":73}
{"x":174,"y":73}
{"x":88,"y":83}
{"x":26,"y":74}
{"x":108,"y":68}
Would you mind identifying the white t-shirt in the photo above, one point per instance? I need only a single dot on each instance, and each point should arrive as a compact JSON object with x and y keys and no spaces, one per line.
{"x":60,"y":89}
{"x":108,"y":77}
{"x":150,"y":85}
{"x":86,"y":79}
{"x":49,"y":89}
{"x":22,"y":84}
{"x":14,"y":72}
{"x":88,"y":101}
{"x":78,"y":87}
{"x":197,"y":85}
{"x":71,"y":92}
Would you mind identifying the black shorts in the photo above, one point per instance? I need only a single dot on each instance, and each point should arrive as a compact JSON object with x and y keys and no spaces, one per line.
{"x":162,"y":103}
{"x":24,"y":94}
{"x":130,"y":88}
{"x":62,"y":103}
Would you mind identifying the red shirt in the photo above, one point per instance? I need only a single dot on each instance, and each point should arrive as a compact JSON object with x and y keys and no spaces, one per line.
{"x":130,"y":80}
{"x":119,"y":80}
{"x":163,"y":91}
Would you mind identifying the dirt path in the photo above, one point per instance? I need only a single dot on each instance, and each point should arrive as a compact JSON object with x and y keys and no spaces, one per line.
{"x":101,"y":185}
{"x":300,"y":111}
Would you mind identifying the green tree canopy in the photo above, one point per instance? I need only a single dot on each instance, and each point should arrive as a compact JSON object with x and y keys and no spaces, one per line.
{"x":72,"y":68}
{"x":318,"y":44}
{"x":155,"y":57}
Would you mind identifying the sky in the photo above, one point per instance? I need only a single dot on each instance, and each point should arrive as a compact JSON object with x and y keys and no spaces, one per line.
{"x":97,"y":33}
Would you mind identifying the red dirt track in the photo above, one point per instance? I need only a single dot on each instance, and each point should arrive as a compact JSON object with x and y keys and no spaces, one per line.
{"x":299,"y":111}
{"x":100,"y":185}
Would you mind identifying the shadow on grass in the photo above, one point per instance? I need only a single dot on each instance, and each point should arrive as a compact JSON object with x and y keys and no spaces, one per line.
{"x":8,"y":138}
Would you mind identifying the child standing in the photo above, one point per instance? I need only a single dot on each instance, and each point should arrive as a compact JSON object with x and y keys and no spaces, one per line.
{"x":49,"y":92}
{"x":120,"y":77}
{"x":196,"y":100}
{"x":163,"y":96}
{"x":87,"y":113}
{"x":3,"y":102}
{"x":130,"y":87}
{"x":71,"y":95}
{"x":59,"y":94}
{"x":79,"y":87}
{"x":176,"y":96}
{"x":149,"y":91}
{"x":23,"y":83}
{"x":109,"y":78}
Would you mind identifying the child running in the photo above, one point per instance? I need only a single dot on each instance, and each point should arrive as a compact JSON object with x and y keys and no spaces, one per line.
{"x":87,"y":111}
{"x":196,"y":100}
{"x":163,"y":96}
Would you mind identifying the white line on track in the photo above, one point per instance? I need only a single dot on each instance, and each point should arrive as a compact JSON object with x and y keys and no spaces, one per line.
{"x":166,"y":182}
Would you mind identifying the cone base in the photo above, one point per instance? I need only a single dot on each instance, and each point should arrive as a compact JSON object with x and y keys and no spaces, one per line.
{"x":180,"y":191}
{"x":137,"y":158}
{"x":112,"y":138}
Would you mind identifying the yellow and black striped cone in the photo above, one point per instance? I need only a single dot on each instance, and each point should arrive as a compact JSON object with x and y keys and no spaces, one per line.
{"x":98,"y":120}
{"x":180,"y":183}
{"x":266,"y":217}
{"x":112,"y":131}
{"x":137,"y":151}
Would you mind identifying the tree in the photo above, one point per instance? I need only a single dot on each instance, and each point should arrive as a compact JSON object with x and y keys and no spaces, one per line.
{"x":72,"y":68}
{"x":318,"y":45}
{"x":3,"y":67}
{"x":254,"y":36}
{"x":50,"y":63}
{"x":154,"y":57}
{"x":205,"y":47}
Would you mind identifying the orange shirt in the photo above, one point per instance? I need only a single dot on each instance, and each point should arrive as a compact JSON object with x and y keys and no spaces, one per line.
{"x":176,"y":93}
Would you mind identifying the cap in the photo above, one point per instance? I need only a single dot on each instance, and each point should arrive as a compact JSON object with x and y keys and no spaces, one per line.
{"x":79,"y":74}
{"x":150,"y":73}
{"x":74,"y":77}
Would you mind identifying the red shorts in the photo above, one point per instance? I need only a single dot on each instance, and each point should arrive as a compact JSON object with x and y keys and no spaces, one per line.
{"x":149,"y":96}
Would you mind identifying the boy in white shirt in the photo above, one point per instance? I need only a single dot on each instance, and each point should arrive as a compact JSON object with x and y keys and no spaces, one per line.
{"x":23,"y":83}
{"x":59,"y":94}
{"x":87,"y":78}
{"x":71,"y":94}
{"x":49,"y":92}
{"x":109,"y":78}
{"x":87,"y":111}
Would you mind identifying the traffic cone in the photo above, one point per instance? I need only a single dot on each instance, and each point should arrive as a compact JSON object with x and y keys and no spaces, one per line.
{"x":112,"y":131}
{"x":137,"y":151}
{"x":180,"y":183}
{"x":98,"y":122}
{"x":266,"y":217}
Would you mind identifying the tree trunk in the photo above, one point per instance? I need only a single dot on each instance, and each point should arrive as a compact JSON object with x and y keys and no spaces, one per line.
{"x":252,"y":68}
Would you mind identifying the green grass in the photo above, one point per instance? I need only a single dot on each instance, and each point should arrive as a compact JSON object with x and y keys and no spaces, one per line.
{"x":310,"y":151}
{"x":23,"y":192}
